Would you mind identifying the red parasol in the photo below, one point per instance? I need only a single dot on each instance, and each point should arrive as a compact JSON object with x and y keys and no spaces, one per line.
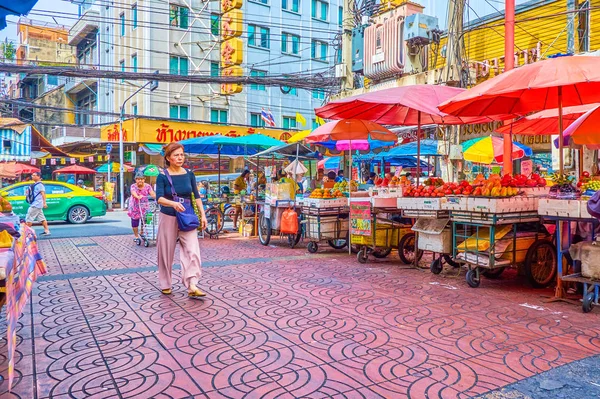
{"x":406,"y":105}
{"x":399,"y":106}
{"x":585,"y":129}
{"x":76,"y":169}
{"x":545,"y":122}
{"x":18,"y":168}
{"x":553,"y":83}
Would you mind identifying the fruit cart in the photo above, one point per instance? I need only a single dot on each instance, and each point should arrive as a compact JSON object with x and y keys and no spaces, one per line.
{"x":491,"y":234}
{"x":325,"y":220}
{"x":375,"y":232}
{"x":563,"y":212}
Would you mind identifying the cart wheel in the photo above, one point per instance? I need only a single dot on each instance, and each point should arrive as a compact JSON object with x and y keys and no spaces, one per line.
{"x":541,"y":264}
{"x":312,"y":247}
{"x":264,"y":229}
{"x":382,"y":253}
{"x":146,"y":243}
{"x":362,"y":256}
{"x":472,"y":279}
{"x":588,"y":302}
{"x":406,"y":249}
{"x":337,"y":244}
{"x":450,"y":261}
{"x":493,"y":273}
{"x":436,"y":266}
{"x":138,"y":241}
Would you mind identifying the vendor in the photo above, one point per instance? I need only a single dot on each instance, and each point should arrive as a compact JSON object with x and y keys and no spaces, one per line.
{"x":372,"y":177}
{"x":340,"y":176}
{"x":318,"y":179}
{"x":240,"y":184}
{"x":331,"y":176}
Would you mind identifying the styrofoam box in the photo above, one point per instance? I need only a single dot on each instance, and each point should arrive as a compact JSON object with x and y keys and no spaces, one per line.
{"x":583,"y":211}
{"x":430,"y":204}
{"x":406,"y":203}
{"x":439,"y":243}
{"x":456,"y":203}
{"x":536,"y":191}
{"x":502,"y":205}
{"x":559,"y":207}
{"x":390,"y":202}
{"x":325,"y":203}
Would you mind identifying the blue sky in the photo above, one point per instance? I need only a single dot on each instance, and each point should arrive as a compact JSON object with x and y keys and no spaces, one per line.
{"x":438,"y":8}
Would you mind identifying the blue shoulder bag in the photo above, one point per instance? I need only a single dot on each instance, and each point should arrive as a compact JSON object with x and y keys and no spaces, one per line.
{"x":186,"y":220}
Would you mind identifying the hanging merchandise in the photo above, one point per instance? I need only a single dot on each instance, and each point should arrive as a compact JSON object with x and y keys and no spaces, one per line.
{"x":52,"y":161}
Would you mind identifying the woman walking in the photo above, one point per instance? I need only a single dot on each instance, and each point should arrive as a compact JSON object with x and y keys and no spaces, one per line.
{"x":138,"y":202}
{"x":184,"y":186}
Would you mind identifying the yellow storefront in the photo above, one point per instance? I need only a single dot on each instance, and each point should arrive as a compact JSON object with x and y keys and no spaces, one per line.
{"x":153,"y":133}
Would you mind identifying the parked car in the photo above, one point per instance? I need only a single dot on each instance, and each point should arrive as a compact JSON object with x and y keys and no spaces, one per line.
{"x":65,"y":201}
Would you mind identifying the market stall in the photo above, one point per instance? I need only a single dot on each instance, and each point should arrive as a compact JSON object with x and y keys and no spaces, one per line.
{"x":548,"y":84}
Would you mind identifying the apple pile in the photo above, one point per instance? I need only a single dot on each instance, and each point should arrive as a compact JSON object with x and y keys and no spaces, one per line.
{"x":435,"y":187}
{"x":522,"y":181}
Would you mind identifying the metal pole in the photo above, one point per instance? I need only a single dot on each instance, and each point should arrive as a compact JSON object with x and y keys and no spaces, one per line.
{"x":509,"y":63}
{"x":560,"y":132}
{"x":418,"y":147}
{"x":121,"y":157}
{"x":219,"y":175}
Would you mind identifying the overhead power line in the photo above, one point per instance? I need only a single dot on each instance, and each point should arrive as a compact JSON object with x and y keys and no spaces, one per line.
{"x":302,"y":81}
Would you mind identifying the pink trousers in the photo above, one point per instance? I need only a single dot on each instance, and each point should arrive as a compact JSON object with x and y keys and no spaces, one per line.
{"x":189,"y":253}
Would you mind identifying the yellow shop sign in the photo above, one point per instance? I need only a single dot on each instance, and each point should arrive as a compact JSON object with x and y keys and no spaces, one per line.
{"x":164,"y":132}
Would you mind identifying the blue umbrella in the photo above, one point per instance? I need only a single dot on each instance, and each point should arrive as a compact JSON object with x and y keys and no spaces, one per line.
{"x":12,"y":7}
{"x":407,"y":162}
{"x":428,"y":148}
{"x":212,"y":145}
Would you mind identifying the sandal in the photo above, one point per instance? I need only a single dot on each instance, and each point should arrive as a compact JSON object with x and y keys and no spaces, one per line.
{"x":167,"y":291}
{"x":196,"y":294}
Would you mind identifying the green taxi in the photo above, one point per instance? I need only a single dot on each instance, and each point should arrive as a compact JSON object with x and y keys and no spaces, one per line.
{"x":65,"y":201}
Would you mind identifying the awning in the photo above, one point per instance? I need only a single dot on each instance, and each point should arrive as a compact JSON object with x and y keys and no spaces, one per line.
{"x":288,"y":150}
{"x":152,"y":149}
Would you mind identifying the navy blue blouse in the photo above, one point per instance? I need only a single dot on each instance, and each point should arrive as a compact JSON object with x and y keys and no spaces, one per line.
{"x":184,"y":186}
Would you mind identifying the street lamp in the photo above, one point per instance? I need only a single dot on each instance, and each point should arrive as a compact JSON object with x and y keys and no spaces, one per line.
{"x":153,"y":86}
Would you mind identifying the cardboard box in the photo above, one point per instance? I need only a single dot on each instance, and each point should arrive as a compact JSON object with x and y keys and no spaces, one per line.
{"x":434,"y":235}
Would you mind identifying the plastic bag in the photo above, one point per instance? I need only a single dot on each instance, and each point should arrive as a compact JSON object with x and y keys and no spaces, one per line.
{"x":289,"y":222}
{"x":593,"y":205}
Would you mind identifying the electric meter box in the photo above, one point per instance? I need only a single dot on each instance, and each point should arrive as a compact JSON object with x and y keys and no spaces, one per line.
{"x":358,"y":49}
{"x":419,"y":26}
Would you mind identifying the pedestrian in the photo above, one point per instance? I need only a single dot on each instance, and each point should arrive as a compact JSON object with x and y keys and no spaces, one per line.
{"x":81,"y":184}
{"x":340,"y":176}
{"x":184,"y":185}
{"x":36,"y":198}
{"x":138,"y":202}
{"x":240,"y":184}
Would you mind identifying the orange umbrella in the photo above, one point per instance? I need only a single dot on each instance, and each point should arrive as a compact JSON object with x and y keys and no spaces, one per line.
{"x":545,"y":122}
{"x":350,"y":129}
{"x":584,"y":130}
{"x":553,"y":83}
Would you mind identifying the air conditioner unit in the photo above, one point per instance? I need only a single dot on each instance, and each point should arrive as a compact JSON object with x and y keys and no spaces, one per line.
{"x":339,"y":71}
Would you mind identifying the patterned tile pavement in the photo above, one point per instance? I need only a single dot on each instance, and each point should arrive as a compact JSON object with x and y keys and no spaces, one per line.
{"x":280,"y":323}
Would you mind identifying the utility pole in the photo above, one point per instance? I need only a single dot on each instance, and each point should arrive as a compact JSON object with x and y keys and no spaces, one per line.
{"x":347,"y":25}
{"x":509,"y":63}
{"x":451,"y":74}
